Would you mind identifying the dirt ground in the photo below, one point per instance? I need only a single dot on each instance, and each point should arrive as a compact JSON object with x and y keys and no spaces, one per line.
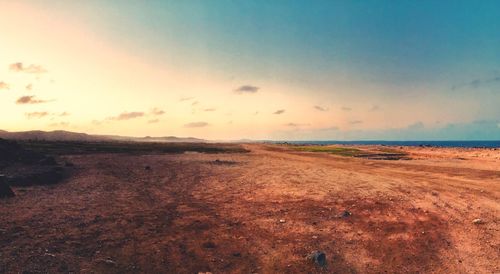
{"x":260,"y":212}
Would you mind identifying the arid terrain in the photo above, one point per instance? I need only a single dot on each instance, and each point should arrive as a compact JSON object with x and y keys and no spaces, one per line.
{"x":263,"y":211}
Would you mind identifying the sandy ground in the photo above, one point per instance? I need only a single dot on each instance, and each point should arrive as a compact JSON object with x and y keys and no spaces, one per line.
{"x":190,"y":214}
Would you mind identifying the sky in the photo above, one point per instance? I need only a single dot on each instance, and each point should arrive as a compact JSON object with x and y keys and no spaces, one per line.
{"x":237,"y":69}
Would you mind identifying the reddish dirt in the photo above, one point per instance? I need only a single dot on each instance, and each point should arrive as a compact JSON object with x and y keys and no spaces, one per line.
{"x":190,"y":214}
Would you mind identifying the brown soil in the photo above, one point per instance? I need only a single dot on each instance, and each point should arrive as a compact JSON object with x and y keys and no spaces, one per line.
{"x":262,"y":212}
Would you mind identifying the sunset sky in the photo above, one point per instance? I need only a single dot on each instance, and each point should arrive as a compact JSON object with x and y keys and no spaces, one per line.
{"x":296,"y":70}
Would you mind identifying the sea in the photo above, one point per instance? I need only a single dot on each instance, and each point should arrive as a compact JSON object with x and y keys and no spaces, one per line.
{"x":468,"y":144}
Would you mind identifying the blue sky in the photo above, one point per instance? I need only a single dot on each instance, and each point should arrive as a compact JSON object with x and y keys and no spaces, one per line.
{"x":375,"y":66}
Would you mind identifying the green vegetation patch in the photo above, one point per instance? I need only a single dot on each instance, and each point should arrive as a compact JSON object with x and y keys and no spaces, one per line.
{"x":342,"y":151}
{"x":378,"y":154}
{"x":74,"y":147}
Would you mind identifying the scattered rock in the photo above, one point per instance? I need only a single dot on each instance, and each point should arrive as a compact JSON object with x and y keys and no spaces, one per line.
{"x":318,"y":257}
{"x":345,"y":214}
{"x":209,"y":245}
{"x":49,"y":255}
{"x":224,"y":162}
{"x":107,"y":261}
{"x":237,"y":254}
{"x":147,"y":168}
{"x":435,"y":193}
{"x":282,"y":221}
{"x":478,"y":221}
{"x":5,"y":190}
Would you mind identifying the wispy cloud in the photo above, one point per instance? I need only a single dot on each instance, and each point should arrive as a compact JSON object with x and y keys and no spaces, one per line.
{"x":346,"y":108}
{"x":196,"y":124}
{"x":127,"y":116}
{"x":280,"y":111}
{"x":59,"y":124}
{"x":295,"y":125}
{"x":320,"y":108}
{"x":37,"y":114}
{"x":157,"y":112}
{"x":29,"y":87}
{"x":20,"y":67}
{"x":4,"y":85}
{"x":246,"y":89}
{"x":29,"y":100}
{"x":194,"y":103}
{"x":476,"y":83}
{"x":355,"y":122}
{"x":209,"y":109}
{"x":153,"y":121}
{"x":186,"y":99}
{"x":374,"y":108}
{"x":63,"y":114}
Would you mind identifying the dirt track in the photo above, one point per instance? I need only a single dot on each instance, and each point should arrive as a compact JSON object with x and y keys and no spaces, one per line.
{"x":191,"y":214}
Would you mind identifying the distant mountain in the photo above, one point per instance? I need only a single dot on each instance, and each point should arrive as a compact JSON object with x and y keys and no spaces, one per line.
{"x":61,"y":135}
{"x":167,"y":139}
{"x":57,"y":135}
{"x":172,"y":139}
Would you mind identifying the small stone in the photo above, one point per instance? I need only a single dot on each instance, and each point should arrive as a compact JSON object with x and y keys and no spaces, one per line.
{"x":315,"y":237}
{"x":318,"y":257}
{"x":107,"y":261}
{"x":282,"y":221}
{"x":110,"y":262}
{"x":345,"y":214}
{"x":209,"y":245}
{"x":478,"y":221}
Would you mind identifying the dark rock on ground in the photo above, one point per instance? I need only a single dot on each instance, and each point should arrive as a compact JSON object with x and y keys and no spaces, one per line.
{"x":318,"y":257}
{"x":345,"y":214}
{"x":209,"y":245}
{"x":223,"y":162}
{"x":5,"y":190}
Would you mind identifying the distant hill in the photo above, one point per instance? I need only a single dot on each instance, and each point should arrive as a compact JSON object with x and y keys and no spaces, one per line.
{"x":57,"y":135}
{"x":61,"y":135}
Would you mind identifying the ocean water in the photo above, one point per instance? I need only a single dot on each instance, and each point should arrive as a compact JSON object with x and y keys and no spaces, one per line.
{"x":471,"y":144}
